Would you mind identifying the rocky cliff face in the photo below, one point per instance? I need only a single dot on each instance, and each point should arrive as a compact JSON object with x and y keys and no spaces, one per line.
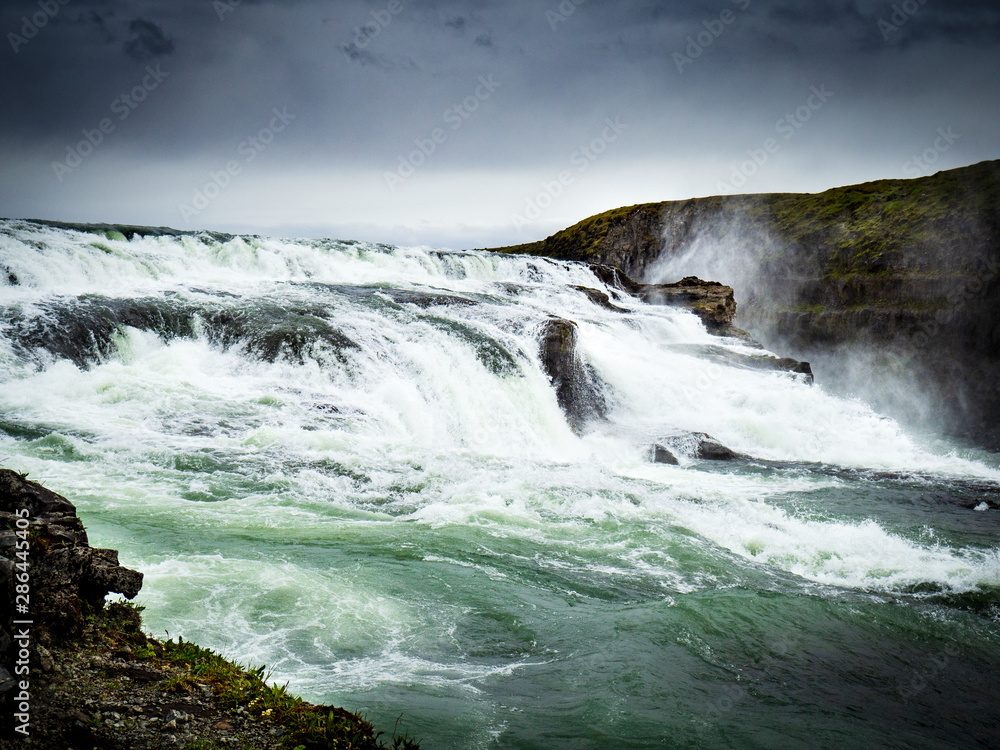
{"x":77,"y":674}
{"x":65,"y":579}
{"x":891,"y":288}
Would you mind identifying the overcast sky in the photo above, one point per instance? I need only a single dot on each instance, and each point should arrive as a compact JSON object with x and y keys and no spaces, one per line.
{"x":473,"y":124}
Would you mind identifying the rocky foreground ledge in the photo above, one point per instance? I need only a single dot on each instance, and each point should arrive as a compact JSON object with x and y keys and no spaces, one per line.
{"x":78,"y":673}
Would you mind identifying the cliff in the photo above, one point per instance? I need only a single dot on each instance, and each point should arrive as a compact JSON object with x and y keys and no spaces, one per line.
{"x":76,"y":672}
{"x":891,"y":288}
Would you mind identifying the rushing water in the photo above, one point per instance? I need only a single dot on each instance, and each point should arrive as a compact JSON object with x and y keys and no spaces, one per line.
{"x":344,"y":460}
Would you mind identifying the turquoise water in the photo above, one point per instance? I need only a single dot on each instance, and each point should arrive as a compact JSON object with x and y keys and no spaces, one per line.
{"x":345,"y":461}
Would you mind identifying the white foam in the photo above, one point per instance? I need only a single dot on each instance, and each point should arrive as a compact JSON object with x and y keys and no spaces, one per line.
{"x":412,"y":433}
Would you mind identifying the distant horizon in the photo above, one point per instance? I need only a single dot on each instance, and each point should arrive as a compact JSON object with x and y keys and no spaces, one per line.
{"x":317,"y":233}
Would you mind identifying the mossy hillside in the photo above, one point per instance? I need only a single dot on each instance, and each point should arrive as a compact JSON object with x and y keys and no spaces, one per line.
{"x":873,"y":229}
{"x":888,"y":226}
{"x":587,"y":240}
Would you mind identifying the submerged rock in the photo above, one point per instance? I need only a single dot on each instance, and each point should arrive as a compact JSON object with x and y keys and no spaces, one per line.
{"x":763,"y":361}
{"x":578,"y":389}
{"x":661,"y":455}
{"x":599,"y":298}
{"x":693,"y":445}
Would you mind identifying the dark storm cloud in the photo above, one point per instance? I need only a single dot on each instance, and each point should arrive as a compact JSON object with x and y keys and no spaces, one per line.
{"x":91,"y":19}
{"x":366,"y":58}
{"x":369,"y":80}
{"x":979,"y":26}
{"x":873,"y":24}
{"x":148,"y":41}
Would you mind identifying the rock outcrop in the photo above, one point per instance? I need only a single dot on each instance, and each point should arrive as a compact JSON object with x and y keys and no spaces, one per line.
{"x":68,"y":578}
{"x":711,"y":301}
{"x":892,"y":286}
{"x":692,"y":445}
{"x":762,"y":361}
{"x":715,"y":304}
{"x":578,"y":389}
{"x":79,"y":674}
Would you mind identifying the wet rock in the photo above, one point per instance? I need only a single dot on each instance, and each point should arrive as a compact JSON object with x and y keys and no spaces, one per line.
{"x":599,"y":298}
{"x":711,"y":301}
{"x":763,"y":361}
{"x":69,"y":578}
{"x":661,"y":455}
{"x":578,"y":389}
{"x":696,"y":445}
{"x":615,"y":278}
{"x":85,"y":330}
{"x":710,"y":450}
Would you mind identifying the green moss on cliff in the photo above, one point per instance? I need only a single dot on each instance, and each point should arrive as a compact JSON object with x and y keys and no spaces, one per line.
{"x":115,"y":687}
{"x":587,"y":240}
{"x":877,"y":228}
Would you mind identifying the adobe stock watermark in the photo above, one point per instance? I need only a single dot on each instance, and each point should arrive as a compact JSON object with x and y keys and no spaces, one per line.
{"x":368,"y":31}
{"x":563,"y":12}
{"x":123,"y":107}
{"x":929,"y":671}
{"x":249,"y":149}
{"x":777,"y":652}
{"x":31,"y":25}
{"x":787,"y":127}
{"x":901,"y":14}
{"x":21,"y":656}
{"x":714,"y":28}
{"x":923,"y":163}
{"x":582,"y":159}
{"x":454,"y":117}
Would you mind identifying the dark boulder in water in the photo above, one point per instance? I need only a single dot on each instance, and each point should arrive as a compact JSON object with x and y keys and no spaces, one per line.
{"x":661,"y":455}
{"x":599,"y":298}
{"x":710,"y":450}
{"x":694,"y":445}
{"x":762,"y":361}
{"x":578,"y":389}
{"x":271,"y":332}
{"x":82,"y":330}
